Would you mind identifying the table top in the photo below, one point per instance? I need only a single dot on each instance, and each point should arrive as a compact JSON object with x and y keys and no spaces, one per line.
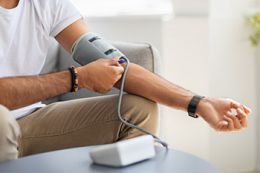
{"x":78,"y":160}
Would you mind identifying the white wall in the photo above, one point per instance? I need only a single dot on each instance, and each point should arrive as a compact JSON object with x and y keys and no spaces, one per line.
{"x":191,"y":7}
{"x":233,"y":75}
{"x":185,"y":63}
{"x":185,"y":47}
{"x":128,"y":29}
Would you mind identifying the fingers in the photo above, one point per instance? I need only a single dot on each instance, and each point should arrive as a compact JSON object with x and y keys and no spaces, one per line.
{"x":242,"y":116}
{"x":237,"y":105}
{"x":119,"y":70}
{"x":247,"y":109}
{"x":232,"y":117}
{"x":114,"y":61}
{"x":223,"y":126}
{"x":236,"y":122}
{"x":111,"y":62}
{"x":117,"y":67}
{"x":233,"y":123}
{"x":230,"y":125}
{"x":114,"y":64}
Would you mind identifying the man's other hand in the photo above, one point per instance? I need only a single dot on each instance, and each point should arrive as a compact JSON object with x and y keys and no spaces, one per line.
{"x":224,"y":115}
{"x":100,"y":76}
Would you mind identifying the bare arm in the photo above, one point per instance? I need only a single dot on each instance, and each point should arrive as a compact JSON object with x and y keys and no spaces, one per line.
{"x":68,"y":36}
{"x":146,"y":84}
{"x":18,"y":92}
{"x":216,"y":112}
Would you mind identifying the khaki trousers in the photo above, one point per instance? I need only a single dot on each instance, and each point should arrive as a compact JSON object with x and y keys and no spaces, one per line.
{"x":83,"y":122}
{"x":9,"y":135}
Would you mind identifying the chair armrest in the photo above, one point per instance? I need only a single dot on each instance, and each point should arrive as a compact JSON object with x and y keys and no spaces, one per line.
{"x":142,"y":54}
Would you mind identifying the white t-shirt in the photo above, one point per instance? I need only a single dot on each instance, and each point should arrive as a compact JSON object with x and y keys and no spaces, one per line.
{"x":24,"y":35}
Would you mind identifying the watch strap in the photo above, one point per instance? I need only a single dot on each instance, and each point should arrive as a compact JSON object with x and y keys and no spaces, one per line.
{"x":192,"y":108}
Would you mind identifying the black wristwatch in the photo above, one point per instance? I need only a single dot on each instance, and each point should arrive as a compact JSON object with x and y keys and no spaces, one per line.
{"x":193,"y":105}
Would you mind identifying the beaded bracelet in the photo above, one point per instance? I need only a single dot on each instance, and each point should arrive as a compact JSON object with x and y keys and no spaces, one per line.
{"x":74,"y":79}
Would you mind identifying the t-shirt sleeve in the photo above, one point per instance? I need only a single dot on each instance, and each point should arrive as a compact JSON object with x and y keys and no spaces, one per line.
{"x":63,"y":13}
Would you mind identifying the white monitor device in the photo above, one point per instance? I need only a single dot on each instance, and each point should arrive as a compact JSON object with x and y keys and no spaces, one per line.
{"x":124,"y":153}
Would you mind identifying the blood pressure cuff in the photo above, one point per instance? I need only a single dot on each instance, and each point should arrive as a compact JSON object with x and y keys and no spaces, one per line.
{"x":91,"y":47}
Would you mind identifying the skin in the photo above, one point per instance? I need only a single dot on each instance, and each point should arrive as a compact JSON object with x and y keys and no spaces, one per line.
{"x":8,"y":4}
{"x":32,"y":89}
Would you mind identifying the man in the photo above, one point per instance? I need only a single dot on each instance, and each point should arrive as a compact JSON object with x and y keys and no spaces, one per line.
{"x":25,"y":28}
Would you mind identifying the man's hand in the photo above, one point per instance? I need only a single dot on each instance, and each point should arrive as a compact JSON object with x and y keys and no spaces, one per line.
{"x":100,"y":76}
{"x":224,"y":115}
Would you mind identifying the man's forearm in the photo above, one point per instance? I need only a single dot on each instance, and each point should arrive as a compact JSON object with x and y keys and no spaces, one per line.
{"x":17,"y":92}
{"x":143,"y":83}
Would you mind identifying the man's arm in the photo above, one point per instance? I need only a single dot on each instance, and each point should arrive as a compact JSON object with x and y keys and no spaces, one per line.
{"x":71,"y":34}
{"x":17,"y":92}
{"x":217,"y":112}
{"x":137,"y":76}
